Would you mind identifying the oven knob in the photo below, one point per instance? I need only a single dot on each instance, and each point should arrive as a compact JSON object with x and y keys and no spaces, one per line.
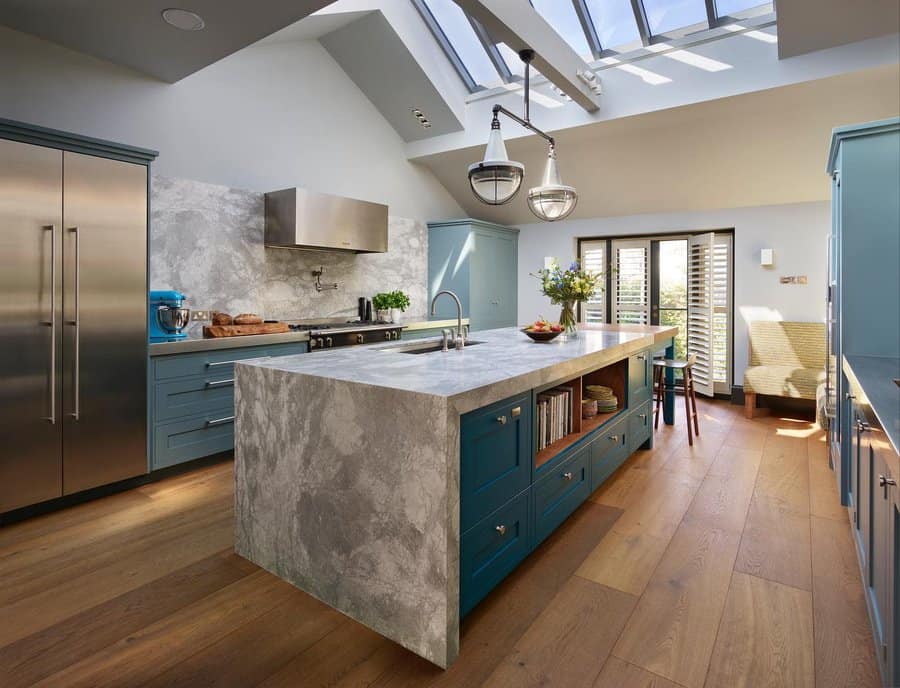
{"x":319,"y":342}
{"x":387,"y":334}
{"x":397,"y":334}
{"x":360,"y":339}
{"x":329,"y":341}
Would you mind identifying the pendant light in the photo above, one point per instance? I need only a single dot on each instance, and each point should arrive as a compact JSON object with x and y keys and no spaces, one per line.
{"x":497,"y":179}
{"x":552,"y":200}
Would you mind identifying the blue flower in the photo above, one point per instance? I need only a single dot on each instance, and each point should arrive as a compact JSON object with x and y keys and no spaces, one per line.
{"x":574,"y":266}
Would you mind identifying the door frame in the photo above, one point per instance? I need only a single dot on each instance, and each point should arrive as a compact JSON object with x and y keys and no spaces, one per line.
{"x":664,"y":236}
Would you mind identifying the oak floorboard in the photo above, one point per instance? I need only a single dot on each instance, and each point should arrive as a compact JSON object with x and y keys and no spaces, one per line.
{"x":824,"y":499}
{"x":626,"y":557}
{"x":617,"y":673}
{"x":491,"y":630}
{"x":765,"y":638}
{"x":154,"y":649}
{"x":34,"y":657}
{"x":274,"y":639}
{"x":53,"y":605}
{"x":784,"y":473}
{"x":674,"y":625}
{"x":330,"y":660}
{"x":723,"y":501}
{"x":844,"y":647}
{"x":568,"y":643}
{"x":776,"y":544}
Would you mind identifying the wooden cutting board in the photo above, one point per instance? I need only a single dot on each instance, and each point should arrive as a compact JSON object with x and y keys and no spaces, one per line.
{"x":242,"y":330}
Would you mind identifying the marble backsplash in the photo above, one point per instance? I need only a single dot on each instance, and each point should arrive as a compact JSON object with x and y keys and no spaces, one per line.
{"x":206,"y":241}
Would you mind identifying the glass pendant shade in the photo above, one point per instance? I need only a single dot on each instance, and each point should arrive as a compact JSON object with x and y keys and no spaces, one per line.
{"x":552,"y":200}
{"x":496,"y":179}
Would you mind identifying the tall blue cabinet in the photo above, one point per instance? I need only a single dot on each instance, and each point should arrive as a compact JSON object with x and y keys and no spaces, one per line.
{"x":864,"y":282}
{"x":478,"y":261}
{"x":864,"y":331}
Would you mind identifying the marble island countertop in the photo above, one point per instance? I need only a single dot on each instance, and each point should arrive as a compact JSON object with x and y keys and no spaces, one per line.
{"x":495,"y":364}
{"x":347,"y":467}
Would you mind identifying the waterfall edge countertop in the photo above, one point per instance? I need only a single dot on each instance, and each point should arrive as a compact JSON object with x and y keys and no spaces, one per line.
{"x":347,"y":467}
{"x":496,"y":364}
{"x":874,"y":376}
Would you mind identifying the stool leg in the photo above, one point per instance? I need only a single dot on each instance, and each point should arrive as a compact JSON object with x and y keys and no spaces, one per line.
{"x":659,"y":384}
{"x":687,"y":409}
{"x":694,"y":403}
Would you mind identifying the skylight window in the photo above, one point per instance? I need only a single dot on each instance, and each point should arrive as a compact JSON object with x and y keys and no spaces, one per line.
{"x":664,"y":16}
{"x":562,"y":17}
{"x":463,"y":41}
{"x":732,"y":8}
{"x":614,"y":22}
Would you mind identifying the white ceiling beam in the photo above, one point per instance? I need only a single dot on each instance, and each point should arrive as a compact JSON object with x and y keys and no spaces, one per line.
{"x":521,"y":27}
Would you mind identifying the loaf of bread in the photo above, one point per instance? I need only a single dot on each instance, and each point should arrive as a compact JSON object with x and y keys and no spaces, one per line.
{"x":247,"y":319}
{"x":219,"y":318}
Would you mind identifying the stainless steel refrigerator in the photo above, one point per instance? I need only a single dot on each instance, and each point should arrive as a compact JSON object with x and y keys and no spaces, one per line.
{"x":73,"y":322}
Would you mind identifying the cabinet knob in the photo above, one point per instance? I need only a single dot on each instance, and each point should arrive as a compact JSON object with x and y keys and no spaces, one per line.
{"x":501,"y":529}
{"x":862,"y":426}
{"x":501,"y":420}
{"x":568,"y":475}
{"x":613,"y":438}
{"x":642,"y":416}
{"x":641,"y":357}
{"x":849,"y":396}
{"x":884,"y":481}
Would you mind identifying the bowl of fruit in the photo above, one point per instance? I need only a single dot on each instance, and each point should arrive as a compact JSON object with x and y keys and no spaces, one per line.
{"x":543,"y":331}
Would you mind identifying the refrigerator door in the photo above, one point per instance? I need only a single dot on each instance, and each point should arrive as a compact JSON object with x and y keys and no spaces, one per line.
{"x":105,"y":315}
{"x":30,"y":325}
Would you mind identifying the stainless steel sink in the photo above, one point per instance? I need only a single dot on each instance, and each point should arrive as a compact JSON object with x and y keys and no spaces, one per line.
{"x":423,"y":347}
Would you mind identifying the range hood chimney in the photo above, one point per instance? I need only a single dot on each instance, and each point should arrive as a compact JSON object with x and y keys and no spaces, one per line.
{"x":312,"y":221}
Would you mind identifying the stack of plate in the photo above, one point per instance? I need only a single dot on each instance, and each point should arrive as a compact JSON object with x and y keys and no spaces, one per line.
{"x":606,"y":399}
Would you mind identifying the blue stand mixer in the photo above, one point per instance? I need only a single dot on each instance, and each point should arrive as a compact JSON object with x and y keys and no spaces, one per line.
{"x":167,"y":316}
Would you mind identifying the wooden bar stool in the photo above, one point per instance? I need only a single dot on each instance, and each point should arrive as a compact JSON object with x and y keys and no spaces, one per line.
{"x":690,"y":398}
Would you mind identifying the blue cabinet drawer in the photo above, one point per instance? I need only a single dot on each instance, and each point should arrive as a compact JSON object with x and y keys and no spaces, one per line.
{"x":557,"y":495}
{"x":496,"y":457}
{"x":493,"y":548}
{"x":182,"y":397}
{"x":608,"y":452}
{"x":639,"y":426}
{"x":640,"y":379}
{"x":204,"y":362}
{"x":184,"y":440}
{"x":287,"y":349}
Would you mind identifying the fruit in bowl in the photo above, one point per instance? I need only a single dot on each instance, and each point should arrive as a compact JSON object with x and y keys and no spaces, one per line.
{"x":542,"y":331}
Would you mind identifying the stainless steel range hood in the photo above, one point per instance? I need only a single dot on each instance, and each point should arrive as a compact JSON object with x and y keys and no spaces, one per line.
{"x":302,"y":219}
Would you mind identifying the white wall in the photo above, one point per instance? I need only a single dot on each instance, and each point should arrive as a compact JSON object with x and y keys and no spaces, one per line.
{"x":267,"y":117}
{"x":797,"y":232}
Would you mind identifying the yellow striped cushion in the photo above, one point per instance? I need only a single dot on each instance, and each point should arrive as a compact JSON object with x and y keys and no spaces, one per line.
{"x":799,"y":344}
{"x":784,"y":380}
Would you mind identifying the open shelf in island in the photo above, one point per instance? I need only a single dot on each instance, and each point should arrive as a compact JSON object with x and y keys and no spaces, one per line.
{"x":614,"y":376}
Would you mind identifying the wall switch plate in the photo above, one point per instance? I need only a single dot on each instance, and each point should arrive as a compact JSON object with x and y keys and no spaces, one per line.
{"x":201,"y":315}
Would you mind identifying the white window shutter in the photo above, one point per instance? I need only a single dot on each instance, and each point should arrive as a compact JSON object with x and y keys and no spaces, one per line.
{"x":721,"y":314}
{"x":700,"y":325}
{"x":631,"y":282}
{"x":593,"y":259}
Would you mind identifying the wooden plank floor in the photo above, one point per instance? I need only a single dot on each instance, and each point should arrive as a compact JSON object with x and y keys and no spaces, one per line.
{"x":726,"y":564}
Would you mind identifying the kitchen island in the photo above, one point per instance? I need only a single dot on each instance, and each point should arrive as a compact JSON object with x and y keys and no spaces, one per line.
{"x":372,"y":477}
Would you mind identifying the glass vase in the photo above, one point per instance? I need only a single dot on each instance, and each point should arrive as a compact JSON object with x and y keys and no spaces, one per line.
{"x":567,"y":319}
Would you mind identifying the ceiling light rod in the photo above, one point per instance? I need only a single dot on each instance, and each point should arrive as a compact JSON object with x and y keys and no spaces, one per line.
{"x":526,"y":56}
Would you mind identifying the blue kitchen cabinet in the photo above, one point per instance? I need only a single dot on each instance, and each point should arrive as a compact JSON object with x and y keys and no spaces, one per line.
{"x":864,"y":280}
{"x":496,"y":456}
{"x":478,"y":261}
{"x":640,"y":379}
{"x":191,"y":401}
{"x":508,"y":504}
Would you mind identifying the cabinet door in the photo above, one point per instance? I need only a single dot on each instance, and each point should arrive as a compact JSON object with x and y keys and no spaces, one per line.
{"x":882,"y":555}
{"x":864,"y":496}
{"x":496,"y":457}
{"x":639,"y":379}
{"x":494,"y":280}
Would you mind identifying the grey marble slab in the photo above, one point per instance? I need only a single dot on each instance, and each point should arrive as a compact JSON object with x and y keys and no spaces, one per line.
{"x":195,"y":341}
{"x":874,"y":376}
{"x":347,"y":468}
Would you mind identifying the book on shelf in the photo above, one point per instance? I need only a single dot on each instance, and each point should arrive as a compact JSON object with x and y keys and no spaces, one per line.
{"x":555,"y":415}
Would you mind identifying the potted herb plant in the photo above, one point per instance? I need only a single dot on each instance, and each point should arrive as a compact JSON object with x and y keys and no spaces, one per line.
{"x":566,"y":288}
{"x":389,"y":305}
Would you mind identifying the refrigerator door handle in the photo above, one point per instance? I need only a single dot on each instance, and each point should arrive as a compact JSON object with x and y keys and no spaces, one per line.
{"x":52,"y":323}
{"x":76,"y":412}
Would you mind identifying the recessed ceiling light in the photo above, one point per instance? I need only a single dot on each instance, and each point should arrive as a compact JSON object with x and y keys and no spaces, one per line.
{"x":183,"y":19}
